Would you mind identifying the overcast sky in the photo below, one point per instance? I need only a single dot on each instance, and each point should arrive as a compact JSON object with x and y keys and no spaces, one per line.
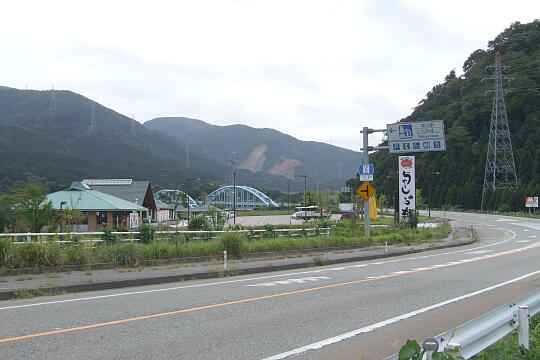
{"x":316,"y":70}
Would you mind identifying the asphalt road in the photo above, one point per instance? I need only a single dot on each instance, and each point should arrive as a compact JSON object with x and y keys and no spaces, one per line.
{"x":362,"y":310}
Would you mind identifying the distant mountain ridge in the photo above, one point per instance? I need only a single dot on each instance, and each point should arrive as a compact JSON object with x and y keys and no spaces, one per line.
{"x":51,"y":137}
{"x":265,"y":150}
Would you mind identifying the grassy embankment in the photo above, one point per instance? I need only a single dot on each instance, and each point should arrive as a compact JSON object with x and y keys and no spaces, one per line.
{"x":40,"y":254}
{"x":508,"y":349}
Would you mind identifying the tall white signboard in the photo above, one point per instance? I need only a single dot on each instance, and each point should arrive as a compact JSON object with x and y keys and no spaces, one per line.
{"x":133,"y":220}
{"x":407,"y":186}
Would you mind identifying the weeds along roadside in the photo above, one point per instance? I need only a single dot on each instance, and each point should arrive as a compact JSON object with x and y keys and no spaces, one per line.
{"x":52,"y":254}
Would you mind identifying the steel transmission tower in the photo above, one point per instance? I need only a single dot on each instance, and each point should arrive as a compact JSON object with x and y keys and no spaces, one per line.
{"x":500,"y":167}
{"x":188,"y":165}
{"x":52,"y":102}
{"x":93,"y":119}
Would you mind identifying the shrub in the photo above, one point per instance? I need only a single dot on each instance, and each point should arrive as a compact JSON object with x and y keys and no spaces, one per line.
{"x":146,"y":234}
{"x":5,"y":247}
{"x":108,"y":236}
{"x":269,"y":231}
{"x":197,"y":223}
{"x":413,"y":218}
{"x":233,"y":243}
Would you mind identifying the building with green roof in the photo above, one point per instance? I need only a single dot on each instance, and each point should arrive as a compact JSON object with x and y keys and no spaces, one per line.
{"x":100,"y":209}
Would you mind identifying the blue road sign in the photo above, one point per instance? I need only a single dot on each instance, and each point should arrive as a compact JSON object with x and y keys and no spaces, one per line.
{"x":366,"y":169}
{"x":416,"y":136}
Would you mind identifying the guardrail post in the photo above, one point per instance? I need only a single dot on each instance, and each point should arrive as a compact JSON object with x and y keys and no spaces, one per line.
{"x":28,"y":237}
{"x":523,"y":320}
{"x":224,"y":259}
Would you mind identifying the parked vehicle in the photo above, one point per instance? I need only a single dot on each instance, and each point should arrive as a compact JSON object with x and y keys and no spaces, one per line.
{"x":309,"y":212}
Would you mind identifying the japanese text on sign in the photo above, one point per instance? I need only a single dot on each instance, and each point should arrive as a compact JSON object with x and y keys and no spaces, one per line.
{"x":407,"y":186}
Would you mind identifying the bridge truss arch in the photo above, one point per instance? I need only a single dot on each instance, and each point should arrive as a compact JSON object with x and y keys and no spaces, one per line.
{"x":175,"y":196}
{"x":247,"y":198}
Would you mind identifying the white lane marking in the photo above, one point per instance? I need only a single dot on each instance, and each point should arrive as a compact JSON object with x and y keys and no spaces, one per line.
{"x":371,"y":277}
{"x":532,"y":236}
{"x":292,"y":281}
{"x":530,"y":225}
{"x":523,"y":241}
{"x":509,"y":220}
{"x":478,"y":252}
{"x":249,"y":279}
{"x":525,"y":229}
{"x":369,"y":328}
{"x":400,"y":272}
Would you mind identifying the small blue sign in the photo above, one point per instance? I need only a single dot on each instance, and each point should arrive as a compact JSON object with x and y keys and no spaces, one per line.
{"x":416,"y":145}
{"x":406,"y":146}
{"x":437,"y":144}
{"x":426,"y":144}
{"x":366,"y":169}
{"x":405,"y":132}
{"x":395,"y":146}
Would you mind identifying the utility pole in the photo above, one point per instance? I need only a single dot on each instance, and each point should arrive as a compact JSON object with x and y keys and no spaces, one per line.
{"x":500,"y":172}
{"x":188,"y":179}
{"x":305,"y":193}
{"x":233,"y":161}
{"x":288,"y":200}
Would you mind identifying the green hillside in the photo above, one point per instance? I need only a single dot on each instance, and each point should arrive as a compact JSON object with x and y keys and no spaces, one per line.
{"x":464,"y":103}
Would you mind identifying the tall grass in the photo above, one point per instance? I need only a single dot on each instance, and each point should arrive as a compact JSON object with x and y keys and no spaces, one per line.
{"x":49,"y":254}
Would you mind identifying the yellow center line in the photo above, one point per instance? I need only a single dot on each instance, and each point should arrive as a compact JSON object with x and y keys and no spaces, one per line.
{"x":241,"y":301}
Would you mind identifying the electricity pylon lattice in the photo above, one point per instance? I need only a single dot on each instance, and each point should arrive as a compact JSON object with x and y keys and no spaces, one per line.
{"x":132,"y":125}
{"x":52,"y":101}
{"x":93,"y":118}
{"x":500,"y":170}
{"x":188,"y":165}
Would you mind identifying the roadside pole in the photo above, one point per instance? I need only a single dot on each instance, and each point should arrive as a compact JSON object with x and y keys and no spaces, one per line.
{"x":365,"y":161}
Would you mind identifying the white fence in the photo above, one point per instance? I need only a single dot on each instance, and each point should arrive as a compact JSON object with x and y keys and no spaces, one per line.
{"x":131,"y":236}
{"x":483,"y":331}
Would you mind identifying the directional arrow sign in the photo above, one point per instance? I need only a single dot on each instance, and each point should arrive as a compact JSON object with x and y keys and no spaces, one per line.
{"x":365,"y":191}
{"x":417,"y":136}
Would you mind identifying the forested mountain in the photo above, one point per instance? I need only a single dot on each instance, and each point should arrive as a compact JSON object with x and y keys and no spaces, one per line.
{"x":49,"y":137}
{"x":265,"y":151}
{"x":464,"y":103}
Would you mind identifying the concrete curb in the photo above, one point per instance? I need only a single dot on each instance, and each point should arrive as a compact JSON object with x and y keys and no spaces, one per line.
{"x":12,"y":294}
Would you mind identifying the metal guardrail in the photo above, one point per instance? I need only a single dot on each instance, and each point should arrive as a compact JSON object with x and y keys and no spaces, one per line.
{"x":485,"y":330}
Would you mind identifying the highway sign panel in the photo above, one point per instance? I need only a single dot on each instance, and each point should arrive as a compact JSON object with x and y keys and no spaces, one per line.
{"x":365,"y":191}
{"x":416,"y":136}
{"x":365,"y":171}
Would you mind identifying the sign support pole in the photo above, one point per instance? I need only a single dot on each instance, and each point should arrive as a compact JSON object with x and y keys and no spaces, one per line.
{"x":365,"y":132}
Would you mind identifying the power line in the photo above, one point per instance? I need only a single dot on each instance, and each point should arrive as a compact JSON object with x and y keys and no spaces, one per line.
{"x":519,"y":59}
{"x":522,"y":89}
{"x":527,"y":69}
